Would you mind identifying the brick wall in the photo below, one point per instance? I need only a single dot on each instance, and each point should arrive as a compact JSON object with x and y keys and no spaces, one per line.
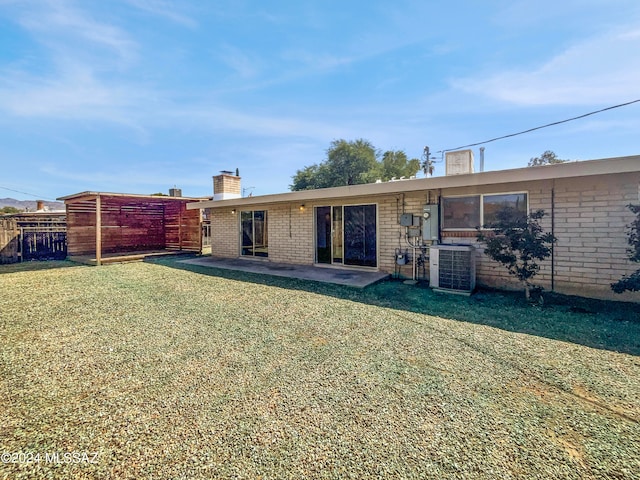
{"x":290,"y":234}
{"x":225,"y":228}
{"x":591,"y":219}
{"x":590,"y":224}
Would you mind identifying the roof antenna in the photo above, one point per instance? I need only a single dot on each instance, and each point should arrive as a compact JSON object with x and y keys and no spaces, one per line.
{"x":427,"y":165}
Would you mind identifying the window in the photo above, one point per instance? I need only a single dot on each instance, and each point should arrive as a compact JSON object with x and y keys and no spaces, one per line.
{"x":491,"y":204}
{"x":461,"y":212}
{"x":473,"y":211}
{"x":253,"y":225}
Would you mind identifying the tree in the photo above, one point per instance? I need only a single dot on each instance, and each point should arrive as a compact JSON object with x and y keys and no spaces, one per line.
{"x":8,"y":210}
{"x":547,"y":158}
{"x":395,"y":163}
{"x":352,"y":163}
{"x":517,"y":241}
{"x":631,"y":282}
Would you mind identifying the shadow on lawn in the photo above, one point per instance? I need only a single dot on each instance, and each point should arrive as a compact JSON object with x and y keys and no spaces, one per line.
{"x":35,"y":265}
{"x":598,"y":324}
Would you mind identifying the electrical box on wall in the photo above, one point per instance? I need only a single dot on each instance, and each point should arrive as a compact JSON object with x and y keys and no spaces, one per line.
{"x":406,"y":219}
{"x":430,"y":222}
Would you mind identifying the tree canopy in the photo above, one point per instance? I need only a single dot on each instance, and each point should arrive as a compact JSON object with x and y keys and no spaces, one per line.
{"x":547,"y":158}
{"x":9,"y":210}
{"x":354,"y":162}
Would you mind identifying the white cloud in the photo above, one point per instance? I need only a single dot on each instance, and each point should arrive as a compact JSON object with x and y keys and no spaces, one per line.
{"x":66,"y":81}
{"x":243,"y":64}
{"x":60,"y":26}
{"x":137,"y":178}
{"x":166,"y":9}
{"x":219,"y":118}
{"x":598,"y":70}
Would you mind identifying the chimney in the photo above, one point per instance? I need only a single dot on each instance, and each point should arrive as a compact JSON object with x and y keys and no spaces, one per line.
{"x":175,"y":192}
{"x":39,"y":205}
{"x":226,"y":186}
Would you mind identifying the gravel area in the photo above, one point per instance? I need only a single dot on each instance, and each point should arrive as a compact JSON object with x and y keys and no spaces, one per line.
{"x":153,"y":370}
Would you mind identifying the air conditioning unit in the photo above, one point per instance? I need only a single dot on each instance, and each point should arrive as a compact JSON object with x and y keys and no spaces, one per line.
{"x":452,"y":268}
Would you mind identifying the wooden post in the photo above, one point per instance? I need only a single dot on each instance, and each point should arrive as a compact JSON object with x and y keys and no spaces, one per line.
{"x":98,"y":230}
{"x":180,"y":205}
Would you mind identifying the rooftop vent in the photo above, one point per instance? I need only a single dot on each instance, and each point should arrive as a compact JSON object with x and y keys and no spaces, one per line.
{"x":459,"y":162}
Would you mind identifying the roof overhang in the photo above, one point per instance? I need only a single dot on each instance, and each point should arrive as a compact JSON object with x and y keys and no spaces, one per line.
{"x":527,"y":174}
{"x":133,"y":196}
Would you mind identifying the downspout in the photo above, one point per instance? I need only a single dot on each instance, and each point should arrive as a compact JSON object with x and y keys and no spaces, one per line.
{"x":553,"y":233}
{"x":439,"y":218}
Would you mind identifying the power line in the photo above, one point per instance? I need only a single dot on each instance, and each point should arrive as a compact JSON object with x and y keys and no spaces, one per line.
{"x":39,"y":197}
{"x":543,"y":126}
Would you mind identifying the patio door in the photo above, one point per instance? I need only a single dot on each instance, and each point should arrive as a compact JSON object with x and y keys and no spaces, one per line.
{"x":347,"y":235}
{"x":254,"y":233}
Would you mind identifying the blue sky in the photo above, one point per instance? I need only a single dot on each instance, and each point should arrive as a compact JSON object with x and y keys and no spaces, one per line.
{"x":137,"y":96}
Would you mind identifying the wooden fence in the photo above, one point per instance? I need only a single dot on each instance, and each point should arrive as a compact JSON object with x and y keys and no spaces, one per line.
{"x":9,"y":240}
{"x":43,"y":242}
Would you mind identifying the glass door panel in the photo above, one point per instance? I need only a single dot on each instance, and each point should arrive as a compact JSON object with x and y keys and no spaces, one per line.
{"x":336,"y":235}
{"x":323,"y":234}
{"x":246,"y":222}
{"x":360,"y":238}
{"x":260,"y":246}
{"x":253,"y":226}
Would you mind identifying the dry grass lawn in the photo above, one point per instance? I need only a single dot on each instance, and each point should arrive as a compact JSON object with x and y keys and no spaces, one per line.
{"x":172,"y":373}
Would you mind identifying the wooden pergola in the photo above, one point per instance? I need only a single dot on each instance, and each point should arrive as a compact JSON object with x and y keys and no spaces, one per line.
{"x":115,"y":227}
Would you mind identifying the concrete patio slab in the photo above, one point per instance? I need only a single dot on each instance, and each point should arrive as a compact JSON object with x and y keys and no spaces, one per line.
{"x":340,"y":276}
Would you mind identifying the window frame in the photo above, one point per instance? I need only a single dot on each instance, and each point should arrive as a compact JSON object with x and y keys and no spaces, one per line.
{"x":253,"y":234}
{"x":481,"y":198}
{"x":341,"y":206}
{"x":460,"y":229}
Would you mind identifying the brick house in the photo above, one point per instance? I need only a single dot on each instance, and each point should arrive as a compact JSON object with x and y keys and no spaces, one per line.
{"x":363,"y":226}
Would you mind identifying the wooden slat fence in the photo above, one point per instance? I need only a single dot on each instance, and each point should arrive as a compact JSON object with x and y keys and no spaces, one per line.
{"x":43,"y":243}
{"x":9,"y":240}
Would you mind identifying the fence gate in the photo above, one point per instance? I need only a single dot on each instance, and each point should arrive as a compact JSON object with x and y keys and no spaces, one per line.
{"x":43,"y":243}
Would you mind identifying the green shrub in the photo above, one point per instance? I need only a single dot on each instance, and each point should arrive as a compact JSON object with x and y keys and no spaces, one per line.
{"x":517,"y":241}
{"x":631,"y":282}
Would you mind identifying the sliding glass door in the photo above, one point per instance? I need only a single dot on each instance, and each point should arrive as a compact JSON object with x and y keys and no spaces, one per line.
{"x":254,"y":233}
{"x":347,"y":235}
{"x":360,"y":235}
